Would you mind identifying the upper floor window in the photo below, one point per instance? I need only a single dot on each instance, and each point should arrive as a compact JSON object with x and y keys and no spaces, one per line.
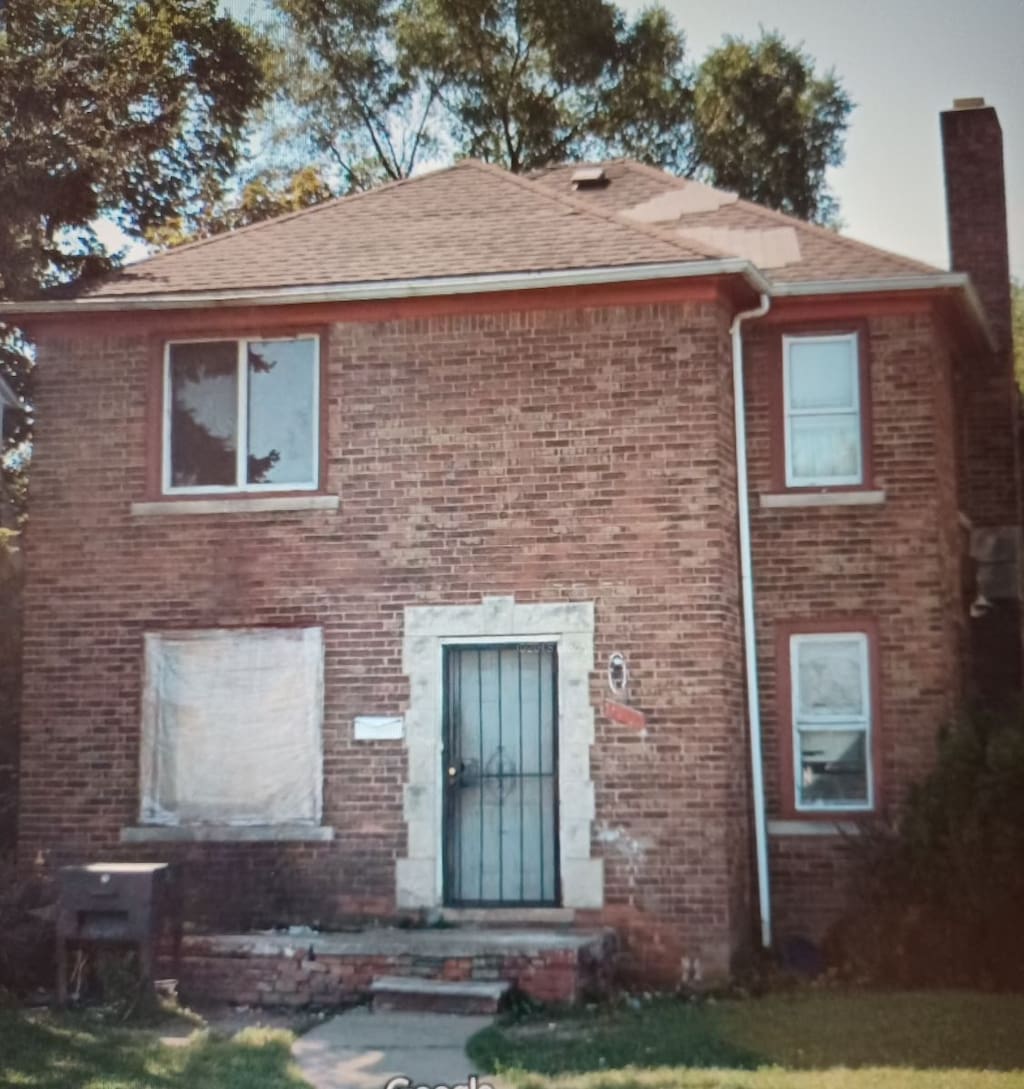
{"x":831,"y":705}
{"x":241,"y":415}
{"x":822,"y":409}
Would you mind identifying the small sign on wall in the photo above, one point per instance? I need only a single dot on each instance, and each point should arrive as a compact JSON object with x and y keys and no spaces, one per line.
{"x":379,"y":727}
{"x":625,"y":716}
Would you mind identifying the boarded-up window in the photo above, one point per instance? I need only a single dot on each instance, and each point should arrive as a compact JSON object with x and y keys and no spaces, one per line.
{"x":231,"y":727}
{"x":821,"y":380}
{"x":831,"y":692}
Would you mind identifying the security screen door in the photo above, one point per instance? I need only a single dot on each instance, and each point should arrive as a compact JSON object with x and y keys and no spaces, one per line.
{"x":500,"y":775}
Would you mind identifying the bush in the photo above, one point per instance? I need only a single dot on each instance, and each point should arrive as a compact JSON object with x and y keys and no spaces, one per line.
{"x":939,"y":896}
{"x":27,"y":932}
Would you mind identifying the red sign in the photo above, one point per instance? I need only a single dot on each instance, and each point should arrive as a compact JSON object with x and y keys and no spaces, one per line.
{"x":625,"y":716}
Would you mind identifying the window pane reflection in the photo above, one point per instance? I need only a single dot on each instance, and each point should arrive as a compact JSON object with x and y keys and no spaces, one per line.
{"x":204,"y":413}
{"x":282,"y":377}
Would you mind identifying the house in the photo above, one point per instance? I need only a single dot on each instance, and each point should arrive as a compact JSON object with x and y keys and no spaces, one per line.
{"x":592,"y":548}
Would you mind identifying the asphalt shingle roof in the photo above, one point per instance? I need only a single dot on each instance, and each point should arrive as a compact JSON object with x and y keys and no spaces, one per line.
{"x":824,"y":254}
{"x":474,"y":219}
{"x":469,"y":219}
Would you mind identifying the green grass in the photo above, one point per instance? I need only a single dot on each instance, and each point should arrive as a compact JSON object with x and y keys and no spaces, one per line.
{"x":798,"y":1040}
{"x":38,"y":1051}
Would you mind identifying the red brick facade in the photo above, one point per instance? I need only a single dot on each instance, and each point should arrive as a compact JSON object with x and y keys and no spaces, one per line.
{"x":554,"y":455}
{"x":895,"y":564}
{"x":564,"y":446}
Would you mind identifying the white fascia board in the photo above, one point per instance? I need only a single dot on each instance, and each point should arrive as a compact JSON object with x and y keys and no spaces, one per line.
{"x":366,"y":291}
{"x":398,"y":289}
{"x":928,"y":281}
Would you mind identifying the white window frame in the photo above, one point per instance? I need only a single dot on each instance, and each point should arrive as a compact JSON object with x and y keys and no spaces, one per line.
{"x":792,"y":480}
{"x":241,"y":450}
{"x":823,"y":723}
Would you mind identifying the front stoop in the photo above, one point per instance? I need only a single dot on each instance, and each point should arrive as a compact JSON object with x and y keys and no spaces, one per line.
{"x":325,"y":969}
{"x":438,"y":995}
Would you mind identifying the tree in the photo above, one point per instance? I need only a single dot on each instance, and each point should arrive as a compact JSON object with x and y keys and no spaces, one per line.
{"x":524,"y":83}
{"x":130,"y":110}
{"x":767,"y":127}
{"x":379,"y":86}
{"x":265,"y":195}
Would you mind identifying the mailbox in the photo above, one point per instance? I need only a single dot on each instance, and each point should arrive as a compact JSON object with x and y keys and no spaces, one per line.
{"x":135,"y":903}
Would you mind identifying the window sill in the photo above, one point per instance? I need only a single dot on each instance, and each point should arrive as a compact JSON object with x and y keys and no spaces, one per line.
{"x":234,"y":505}
{"x":818,"y":827}
{"x":864,"y":498}
{"x":227,"y":833}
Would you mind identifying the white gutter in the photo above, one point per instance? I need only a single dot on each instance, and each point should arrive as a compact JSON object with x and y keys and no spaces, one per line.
{"x":926,"y":281}
{"x":367,"y":290}
{"x":749,"y":632}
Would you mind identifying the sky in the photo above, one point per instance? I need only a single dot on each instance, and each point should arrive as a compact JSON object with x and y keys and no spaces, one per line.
{"x":902,"y":62}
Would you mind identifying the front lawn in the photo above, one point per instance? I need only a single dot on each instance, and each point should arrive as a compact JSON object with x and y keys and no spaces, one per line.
{"x":39,"y":1051}
{"x":802,"y":1040}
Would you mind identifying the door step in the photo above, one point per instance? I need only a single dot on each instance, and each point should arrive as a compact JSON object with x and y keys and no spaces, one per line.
{"x":438,"y":995}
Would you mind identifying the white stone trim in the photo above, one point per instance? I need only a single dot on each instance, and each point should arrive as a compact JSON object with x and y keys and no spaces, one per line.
{"x":234,"y":505}
{"x":863,"y":498}
{"x":813,"y":828}
{"x":428,"y":628}
{"x":228,"y":833}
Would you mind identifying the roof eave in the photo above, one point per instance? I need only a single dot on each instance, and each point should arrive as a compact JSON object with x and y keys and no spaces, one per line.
{"x":955,"y":282}
{"x":366,"y":291}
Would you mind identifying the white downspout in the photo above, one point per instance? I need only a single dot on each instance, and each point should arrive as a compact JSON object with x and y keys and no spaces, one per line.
{"x":749,"y":633}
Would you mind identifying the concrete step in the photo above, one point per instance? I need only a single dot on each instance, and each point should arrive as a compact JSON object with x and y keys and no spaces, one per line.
{"x":438,"y":995}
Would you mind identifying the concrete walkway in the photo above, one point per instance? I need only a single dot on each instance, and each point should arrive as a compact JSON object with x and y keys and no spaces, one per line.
{"x":364,"y":1050}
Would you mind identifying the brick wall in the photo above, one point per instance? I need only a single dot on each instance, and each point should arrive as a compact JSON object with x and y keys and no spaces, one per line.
{"x":553,"y":455}
{"x":972,"y":143}
{"x":897,"y":563}
{"x":10,"y":686}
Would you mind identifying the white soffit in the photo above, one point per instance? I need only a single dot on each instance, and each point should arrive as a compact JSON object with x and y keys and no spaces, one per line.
{"x":774,"y":247}
{"x":688,"y":199}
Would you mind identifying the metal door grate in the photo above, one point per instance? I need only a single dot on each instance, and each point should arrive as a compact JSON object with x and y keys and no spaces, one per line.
{"x":501,"y":775}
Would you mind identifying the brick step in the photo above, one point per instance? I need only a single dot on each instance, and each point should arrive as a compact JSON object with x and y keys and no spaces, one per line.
{"x":438,"y":995}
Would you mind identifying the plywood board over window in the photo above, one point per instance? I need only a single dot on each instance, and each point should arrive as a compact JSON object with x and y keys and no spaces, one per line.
{"x":231,"y":727}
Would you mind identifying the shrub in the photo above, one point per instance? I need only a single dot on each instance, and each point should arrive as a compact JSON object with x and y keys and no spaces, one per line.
{"x":27,"y":932}
{"x":939,"y":895}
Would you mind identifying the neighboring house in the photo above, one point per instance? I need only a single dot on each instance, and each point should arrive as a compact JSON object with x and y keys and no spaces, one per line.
{"x":338,"y":521}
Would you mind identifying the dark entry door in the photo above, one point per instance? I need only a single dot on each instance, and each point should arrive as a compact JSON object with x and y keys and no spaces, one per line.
{"x":500,"y":772}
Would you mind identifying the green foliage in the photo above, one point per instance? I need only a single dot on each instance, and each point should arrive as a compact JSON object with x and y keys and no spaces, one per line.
{"x":380,"y":85}
{"x":130,"y":110}
{"x":938,"y":896}
{"x":47,"y":1052}
{"x":268,"y":194}
{"x":524,"y":83}
{"x":111,"y":108}
{"x":27,"y":934}
{"x":803,"y":1038}
{"x":767,"y":127}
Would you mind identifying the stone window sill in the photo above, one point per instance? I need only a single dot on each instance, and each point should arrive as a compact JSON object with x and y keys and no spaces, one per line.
{"x":783,"y":500}
{"x":837,"y":827}
{"x":226,"y":833}
{"x":234,"y":505}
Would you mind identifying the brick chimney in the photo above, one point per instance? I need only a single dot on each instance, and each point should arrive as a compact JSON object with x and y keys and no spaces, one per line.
{"x":972,"y":145}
